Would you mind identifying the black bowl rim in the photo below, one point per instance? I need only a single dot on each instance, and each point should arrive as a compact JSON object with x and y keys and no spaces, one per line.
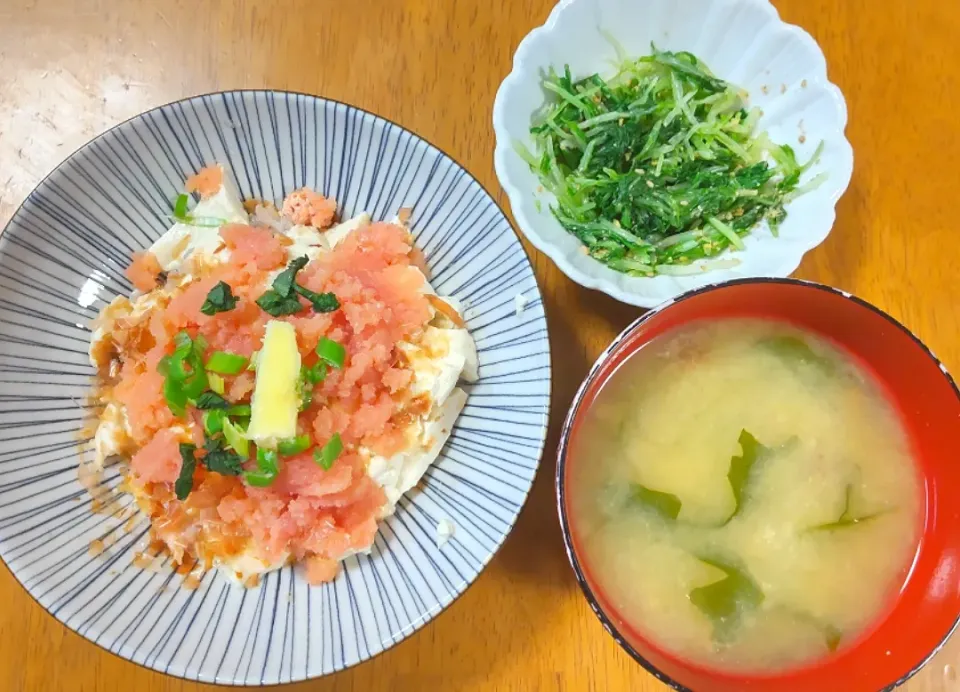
{"x":562,"y":450}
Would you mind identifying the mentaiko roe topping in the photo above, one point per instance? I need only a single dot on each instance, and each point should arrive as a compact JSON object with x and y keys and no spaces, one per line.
{"x":308,"y":513}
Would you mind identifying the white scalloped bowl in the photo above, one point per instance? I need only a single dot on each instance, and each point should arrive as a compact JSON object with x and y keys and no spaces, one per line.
{"x":742,"y":41}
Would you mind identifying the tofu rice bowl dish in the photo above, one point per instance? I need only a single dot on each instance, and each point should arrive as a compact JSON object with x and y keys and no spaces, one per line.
{"x":276,"y":382}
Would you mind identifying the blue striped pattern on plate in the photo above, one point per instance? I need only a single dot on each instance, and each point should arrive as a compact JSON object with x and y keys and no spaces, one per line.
{"x":62,"y":259}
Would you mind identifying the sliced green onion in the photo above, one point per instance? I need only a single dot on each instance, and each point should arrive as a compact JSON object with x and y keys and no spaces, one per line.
{"x":226,"y":363}
{"x":213,"y":421}
{"x":180,"y":207}
{"x":331,"y":352}
{"x":300,"y":443}
{"x":253,"y":360}
{"x":239,"y":410}
{"x":217,"y":385}
{"x":235,"y":438}
{"x":176,"y":399}
{"x":268,"y":468}
{"x":326,"y":455}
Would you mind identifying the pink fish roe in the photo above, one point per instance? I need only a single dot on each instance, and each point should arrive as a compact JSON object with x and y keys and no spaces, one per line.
{"x":308,"y":513}
{"x":309,"y":208}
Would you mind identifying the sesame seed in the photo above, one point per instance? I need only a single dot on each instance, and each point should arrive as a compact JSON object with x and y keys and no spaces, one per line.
{"x":802,"y":138}
{"x":684,"y":202}
{"x":783,"y":88}
{"x":649,"y":183}
{"x":765,"y":90}
{"x":804,"y":84}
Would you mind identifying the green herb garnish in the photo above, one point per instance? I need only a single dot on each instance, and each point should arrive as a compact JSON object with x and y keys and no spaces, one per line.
{"x":660,"y":165}
{"x":183,"y":372}
{"x":284,"y":296}
{"x":725,"y":601}
{"x":239,"y":410}
{"x":219,"y":299}
{"x":216,"y":383}
{"x":184,"y":483}
{"x":331,"y":352}
{"x":847,"y":519}
{"x":226,"y":462}
{"x":226,"y":363}
{"x":664,"y":504}
{"x":268,"y":468}
{"x":741,"y":468}
{"x":213,"y":421}
{"x":210,"y":400}
{"x":326,"y":455}
{"x":322,"y":302}
{"x":235,"y":438}
{"x":287,"y":448}
{"x":180,"y":213}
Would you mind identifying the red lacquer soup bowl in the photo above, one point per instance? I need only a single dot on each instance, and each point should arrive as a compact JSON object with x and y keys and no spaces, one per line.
{"x":926,"y":610}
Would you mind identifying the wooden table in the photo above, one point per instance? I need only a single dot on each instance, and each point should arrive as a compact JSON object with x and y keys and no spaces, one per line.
{"x":71,"y":68}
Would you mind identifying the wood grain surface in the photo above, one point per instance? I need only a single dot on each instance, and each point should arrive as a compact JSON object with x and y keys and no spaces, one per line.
{"x":71,"y":68}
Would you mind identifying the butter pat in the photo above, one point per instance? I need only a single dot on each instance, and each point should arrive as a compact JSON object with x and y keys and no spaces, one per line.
{"x":276,"y":402}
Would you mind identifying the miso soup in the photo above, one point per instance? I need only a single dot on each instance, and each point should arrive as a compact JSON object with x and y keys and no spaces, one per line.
{"x":745,"y":496}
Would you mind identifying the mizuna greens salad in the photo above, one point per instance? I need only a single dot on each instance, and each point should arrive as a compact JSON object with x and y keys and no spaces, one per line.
{"x":660,"y":165}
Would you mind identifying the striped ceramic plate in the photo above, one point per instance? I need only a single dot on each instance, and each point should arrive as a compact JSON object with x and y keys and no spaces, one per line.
{"x":62,"y":259}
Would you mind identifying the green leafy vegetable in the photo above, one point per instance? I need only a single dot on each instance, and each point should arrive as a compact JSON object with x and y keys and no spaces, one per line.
{"x":847,"y":519}
{"x":322,"y":302}
{"x":741,"y":468}
{"x":331,"y":352}
{"x":276,"y":305}
{"x":660,"y":165}
{"x":725,"y":601}
{"x":326,"y":455}
{"x":235,"y":438}
{"x":796,"y":349}
{"x":283,"y":298}
{"x":220,"y":298}
{"x":664,"y":504}
{"x":220,"y":460}
{"x":226,"y":363}
{"x":268,"y":467}
{"x":184,"y":483}
{"x":300,"y":443}
{"x":210,"y":400}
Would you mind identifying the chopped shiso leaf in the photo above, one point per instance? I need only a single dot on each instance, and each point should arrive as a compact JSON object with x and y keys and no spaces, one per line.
{"x":221,"y":460}
{"x":220,"y":298}
{"x":846,"y":519}
{"x":268,"y":467}
{"x":666,"y":505}
{"x":235,"y":438}
{"x":322,"y":302}
{"x":210,"y":399}
{"x":725,"y":601}
{"x":326,"y":455}
{"x":284,"y":296}
{"x":331,"y":352}
{"x":300,"y":443}
{"x":226,"y":363}
{"x":184,"y":483}
{"x":741,"y":468}
{"x":660,"y":165}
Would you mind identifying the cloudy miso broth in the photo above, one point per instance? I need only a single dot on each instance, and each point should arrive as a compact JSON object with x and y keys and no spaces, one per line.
{"x":744,"y":495}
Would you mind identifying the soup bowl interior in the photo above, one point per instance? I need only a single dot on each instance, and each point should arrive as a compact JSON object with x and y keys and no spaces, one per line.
{"x":926,"y":609}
